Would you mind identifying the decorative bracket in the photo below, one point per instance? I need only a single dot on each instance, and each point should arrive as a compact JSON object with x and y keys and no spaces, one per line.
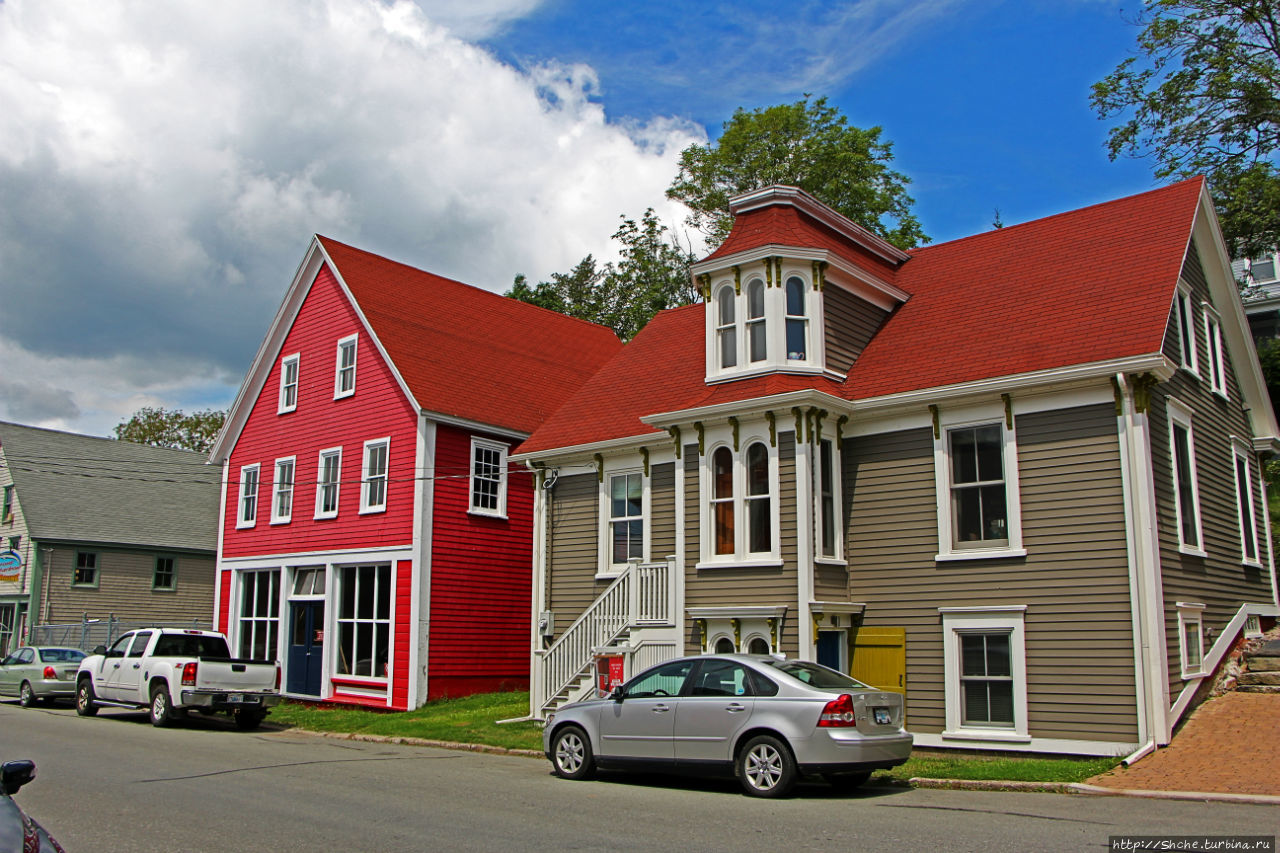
{"x":937,"y":425}
{"x":799,"y":416}
{"x":737,"y":280}
{"x":702,"y":438}
{"x":599,"y":466}
{"x":644,"y":455}
{"x":704,"y":285}
{"x":840,"y":422}
{"x":817,"y":424}
{"x":773,"y":633}
{"x":1008,"y":410}
{"x":737,"y":632}
{"x":733,"y":423}
{"x":675,"y":434}
{"x":773,"y":428}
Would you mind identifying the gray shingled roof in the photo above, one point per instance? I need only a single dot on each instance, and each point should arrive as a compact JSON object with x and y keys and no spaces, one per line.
{"x":81,"y":488}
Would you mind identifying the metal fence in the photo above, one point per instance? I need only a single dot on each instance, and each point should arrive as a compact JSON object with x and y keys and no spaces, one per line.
{"x":90,"y":632}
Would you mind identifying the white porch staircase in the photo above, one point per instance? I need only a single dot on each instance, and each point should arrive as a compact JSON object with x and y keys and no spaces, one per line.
{"x":633,"y":617}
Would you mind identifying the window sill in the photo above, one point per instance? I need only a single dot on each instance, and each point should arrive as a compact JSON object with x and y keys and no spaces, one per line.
{"x":831,"y":561}
{"x":84,"y":586}
{"x":981,"y":554}
{"x":479,"y":513}
{"x":1192,"y":552}
{"x":166,"y":590}
{"x":991,"y":735}
{"x":326,"y":517}
{"x":373,"y":510}
{"x":609,"y":576}
{"x":1188,"y":674}
{"x":277,"y":521}
{"x":765,"y":563}
{"x":1251,"y":564}
{"x":763,"y":369}
{"x":286,"y":411}
{"x":1221,"y":394}
{"x":241,"y":525}
{"x":345,"y":395}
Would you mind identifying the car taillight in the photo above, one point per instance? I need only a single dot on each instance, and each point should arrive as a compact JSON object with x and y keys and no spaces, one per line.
{"x":189,"y":674}
{"x":50,"y":672}
{"x":838,"y":713}
{"x":277,"y":676}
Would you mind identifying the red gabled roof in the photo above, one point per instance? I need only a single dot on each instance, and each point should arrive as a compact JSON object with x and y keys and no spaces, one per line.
{"x":1091,"y":285}
{"x":785,"y":225}
{"x":468,"y":353}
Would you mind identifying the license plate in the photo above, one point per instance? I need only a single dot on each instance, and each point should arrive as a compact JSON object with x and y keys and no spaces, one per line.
{"x":881,"y":716}
{"x":235,"y":697}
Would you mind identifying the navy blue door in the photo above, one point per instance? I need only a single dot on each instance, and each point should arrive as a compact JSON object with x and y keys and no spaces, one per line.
{"x":306,"y":648}
{"x":829,"y":648}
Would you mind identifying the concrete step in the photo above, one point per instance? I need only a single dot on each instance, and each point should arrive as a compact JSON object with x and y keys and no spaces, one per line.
{"x":1262,"y":663}
{"x":1252,"y":677}
{"x":1259,"y":688}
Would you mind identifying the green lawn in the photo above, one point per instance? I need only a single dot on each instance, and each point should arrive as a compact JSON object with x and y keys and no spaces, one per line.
{"x":473,"y":720}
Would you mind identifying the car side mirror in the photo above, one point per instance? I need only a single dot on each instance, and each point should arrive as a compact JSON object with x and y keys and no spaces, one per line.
{"x":15,"y":774}
{"x":99,"y":650}
{"x":616,"y":694}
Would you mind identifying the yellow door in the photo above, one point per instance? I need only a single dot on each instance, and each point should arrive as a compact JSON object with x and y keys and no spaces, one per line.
{"x":879,"y":658}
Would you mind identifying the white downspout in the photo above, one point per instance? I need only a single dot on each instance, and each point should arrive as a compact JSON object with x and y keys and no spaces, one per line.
{"x":536,"y":675}
{"x":1125,"y":426}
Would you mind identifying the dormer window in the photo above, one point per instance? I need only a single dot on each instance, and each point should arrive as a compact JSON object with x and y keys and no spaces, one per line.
{"x":726,"y":330}
{"x":765,"y":323}
{"x":797,"y":322}
{"x":757,"y":331}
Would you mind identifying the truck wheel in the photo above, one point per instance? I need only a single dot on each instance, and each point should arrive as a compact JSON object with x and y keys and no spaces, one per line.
{"x":161,"y":707}
{"x":248,"y":719}
{"x":26,"y":696}
{"x":85,"y":698}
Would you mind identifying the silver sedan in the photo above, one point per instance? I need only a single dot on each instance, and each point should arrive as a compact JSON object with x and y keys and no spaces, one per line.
{"x":35,"y":673}
{"x":766,"y":720}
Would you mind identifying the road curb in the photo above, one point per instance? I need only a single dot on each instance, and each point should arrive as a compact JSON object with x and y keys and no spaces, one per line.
{"x":1091,"y":790}
{"x":417,"y":741}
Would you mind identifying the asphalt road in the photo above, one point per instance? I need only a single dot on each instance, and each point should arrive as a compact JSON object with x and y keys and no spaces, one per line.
{"x":115,"y":783}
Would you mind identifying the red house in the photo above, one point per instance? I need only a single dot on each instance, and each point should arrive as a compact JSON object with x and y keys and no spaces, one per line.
{"x":373,"y":537}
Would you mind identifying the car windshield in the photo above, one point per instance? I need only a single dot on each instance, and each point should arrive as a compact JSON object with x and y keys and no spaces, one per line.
{"x":61,"y":655}
{"x":815,"y":675}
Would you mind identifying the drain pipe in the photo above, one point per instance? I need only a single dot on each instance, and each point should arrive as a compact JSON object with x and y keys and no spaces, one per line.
{"x":1127,"y":456}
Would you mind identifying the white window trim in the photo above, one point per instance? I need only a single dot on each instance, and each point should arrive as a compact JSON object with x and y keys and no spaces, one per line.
{"x":1190,"y":613}
{"x":337,"y":497}
{"x":354,"y":340}
{"x":1244,"y":493}
{"x":740,"y":558}
{"x":365,"y":506}
{"x":775,"y":313}
{"x":296,"y":361}
{"x":980,"y":620}
{"x":276,"y":518}
{"x":241,"y":521}
{"x":1183,"y":305}
{"x":501,"y":510}
{"x":837,"y":488}
{"x":1181,"y":416}
{"x":606,"y":568}
{"x":982,"y":416}
{"x":1217,"y":367}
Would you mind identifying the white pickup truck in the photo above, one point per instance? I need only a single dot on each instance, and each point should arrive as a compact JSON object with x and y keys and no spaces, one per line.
{"x":171,"y":671}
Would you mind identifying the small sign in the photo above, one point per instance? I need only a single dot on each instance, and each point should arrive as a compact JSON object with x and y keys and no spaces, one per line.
{"x":319,"y":640}
{"x":10,"y":565}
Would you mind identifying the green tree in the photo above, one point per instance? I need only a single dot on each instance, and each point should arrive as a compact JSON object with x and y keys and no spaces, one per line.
{"x":1202,"y":96}
{"x":652,"y":273}
{"x":808,"y":144}
{"x":162,"y":427}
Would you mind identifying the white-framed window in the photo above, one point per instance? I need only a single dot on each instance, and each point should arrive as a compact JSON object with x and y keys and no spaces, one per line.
{"x":1191,"y":638}
{"x":739,"y":490}
{"x":364,"y":620}
{"x":328,"y":482}
{"x":985,"y":672}
{"x":282,"y":490}
{"x":1186,"y":328}
{"x":259,"y":626}
{"x":827,"y":490}
{"x":763,"y":325}
{"x":1213,"y":342}
{"x":344,"y":378}
{"x":1247,"y":512}
{"x":289,"y":366}
{"x":247,"y":512}
{"x":623,"y":499}
{"x":1186,"y":491}
{"x":373,"y":479}
{"x":488,"y":477}
{"x":976,"y":476}
{"x":164,"y":576}
{"x":1262,"y":269}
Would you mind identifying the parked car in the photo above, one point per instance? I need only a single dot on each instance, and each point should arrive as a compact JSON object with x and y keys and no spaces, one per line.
{"x":40,"y":673}
{"x":170,"y":671}
{"x":17,"y":830}
{"x":766,"y":720}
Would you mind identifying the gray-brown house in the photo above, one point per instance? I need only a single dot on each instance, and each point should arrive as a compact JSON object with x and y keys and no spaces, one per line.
{"x":94,"y":528}
{"x":1016,"y":477}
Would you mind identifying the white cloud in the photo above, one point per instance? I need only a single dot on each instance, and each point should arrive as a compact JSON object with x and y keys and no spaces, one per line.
{"x":162,"y":167}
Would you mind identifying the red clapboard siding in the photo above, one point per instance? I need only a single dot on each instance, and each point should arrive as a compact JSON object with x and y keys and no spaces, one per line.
{"x":481,"y":570}
{"x":378,"y":409}
{"x":224,"y":602}
{"x":404,"y":635}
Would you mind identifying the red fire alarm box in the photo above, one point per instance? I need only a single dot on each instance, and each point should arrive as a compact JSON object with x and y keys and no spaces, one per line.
{"x":609,"y":673}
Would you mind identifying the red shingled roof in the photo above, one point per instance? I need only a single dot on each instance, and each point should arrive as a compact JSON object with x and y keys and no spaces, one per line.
{"x":788,"y":226}
{"x":1091,"y":285}
{"x":469,"y":353}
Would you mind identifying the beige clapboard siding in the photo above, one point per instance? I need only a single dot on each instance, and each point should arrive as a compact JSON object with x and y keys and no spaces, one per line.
{"x":1074,"y":581}
{"x":572,"y":547}
{"x":662,"y":511}
{"x":723,"y":587}
{"x":850,"y":324}
{"x":1220,"y":581}
{"x":124,"y":588}
{"x":830,"y":583}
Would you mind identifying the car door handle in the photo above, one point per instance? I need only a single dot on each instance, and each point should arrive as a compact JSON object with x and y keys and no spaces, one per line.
{"x":137,"y":666}
{"x":735,"y":708}
{"x":661,"y":709}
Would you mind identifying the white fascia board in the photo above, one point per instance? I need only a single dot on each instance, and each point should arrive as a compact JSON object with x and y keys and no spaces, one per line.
{"x":630,"y":442}
{"x":750,"y":406}
{"x":1215,"y":260}
{"x":749,"y":612}
{"x":871,"y":287}
{"x":801,"y":200}
{"x":476,"y":426}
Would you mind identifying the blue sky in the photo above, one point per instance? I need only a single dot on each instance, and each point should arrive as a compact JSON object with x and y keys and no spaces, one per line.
{"x":162,"y":170}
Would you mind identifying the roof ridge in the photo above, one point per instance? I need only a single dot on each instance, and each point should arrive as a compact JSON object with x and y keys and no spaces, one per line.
{"x":120,"y":442}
